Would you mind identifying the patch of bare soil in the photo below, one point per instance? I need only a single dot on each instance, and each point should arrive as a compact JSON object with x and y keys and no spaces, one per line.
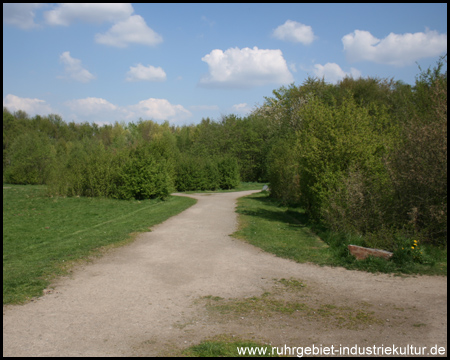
{"x":188,"y":280}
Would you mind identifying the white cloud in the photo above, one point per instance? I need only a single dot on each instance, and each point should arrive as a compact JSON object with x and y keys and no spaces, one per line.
{"x":158,"y":109}
{"x":332,"y":72}
{"x":99,"y":110}
{"x":20,"y":15}
{"x":131,"y":30}
{"x":245,"y":68}
{"x":30,"y":106}
{"x":241,"y":108}
{"x":91,"y":106}
{"x":94,"y":110}
{"x":295,"y":32}
{"x":395,"y":49}
{"x":146,"y":73}
{"x":74,"y":69}
{"x":67,"y":13}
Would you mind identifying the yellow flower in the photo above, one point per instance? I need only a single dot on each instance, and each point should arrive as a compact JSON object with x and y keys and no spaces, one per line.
{"x":412,"y":247}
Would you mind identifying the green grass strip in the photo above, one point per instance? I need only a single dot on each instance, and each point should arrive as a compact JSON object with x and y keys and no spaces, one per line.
{"x":286,"y":232}
{"x":41,"y":234}
{"x":279,"y":230}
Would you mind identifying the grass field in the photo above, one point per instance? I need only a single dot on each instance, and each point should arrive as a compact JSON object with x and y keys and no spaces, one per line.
{"x":286,"y":232}
{"x":42,"y":234}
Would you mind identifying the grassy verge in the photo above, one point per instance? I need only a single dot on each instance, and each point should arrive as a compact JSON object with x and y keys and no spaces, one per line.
{"x":286,"y":232}
{"x":279,"y":230}
{"x":244,"y":186}
{"x":41,"y":234}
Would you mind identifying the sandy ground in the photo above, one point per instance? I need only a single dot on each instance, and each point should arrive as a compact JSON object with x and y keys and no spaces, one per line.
{"x":147,"y":298}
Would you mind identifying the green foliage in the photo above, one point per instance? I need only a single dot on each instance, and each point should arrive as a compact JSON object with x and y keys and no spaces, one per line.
{"x":229,"y":173}
{"x":283,"y":171}
{"x":206,"y":173}
{"x":333,"y":142}
{"x":145,"y":175}
{"x":85,"y":169}
{"x":418,"y":164}
{"x":197,"y":173}
{"x":365,"y":156}
{"x":410,"y":251}
{"x":29,"y":160}
{"x":290,"y":233}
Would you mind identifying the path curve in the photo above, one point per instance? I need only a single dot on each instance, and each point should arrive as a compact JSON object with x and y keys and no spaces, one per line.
{"x":141,"y":299}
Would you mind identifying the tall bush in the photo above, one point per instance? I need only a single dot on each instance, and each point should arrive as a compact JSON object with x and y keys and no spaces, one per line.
{"x":206,"y":173}
{"x":145,"y":175}
{"x":333,"y":142}
{"x":283,"y":171}
{"x":229,"y":173}
{"x":418,"y":166}
{"x":29,"y":159}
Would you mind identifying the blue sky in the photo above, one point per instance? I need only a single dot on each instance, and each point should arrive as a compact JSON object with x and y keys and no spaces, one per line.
{"x":181,"y":62}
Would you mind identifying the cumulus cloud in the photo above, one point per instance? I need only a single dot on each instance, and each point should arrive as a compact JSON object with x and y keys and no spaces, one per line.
{"x":158,"y":109}
{"x":73,"y":68}
{"x":245,"y":68}
{"x":67,"y":13}
{"x":145,"y":73}
{"x":394,"y":49}
{"x":30,"y":106}
{"x":241,"y":108}
{"x":100,"y":110}
{"x":91,"y":106}
{"x":332,"y":72}
{"x":131,"y":30}
{"x":20,"y":15}
{"x":295,"y":32}
{"x":94,"y":110}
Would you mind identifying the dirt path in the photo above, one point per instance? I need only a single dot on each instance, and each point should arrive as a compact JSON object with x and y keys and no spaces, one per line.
{"x":188,"y":280}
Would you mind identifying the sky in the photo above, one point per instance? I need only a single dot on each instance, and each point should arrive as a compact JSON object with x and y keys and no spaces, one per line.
{"x":102,"y":63}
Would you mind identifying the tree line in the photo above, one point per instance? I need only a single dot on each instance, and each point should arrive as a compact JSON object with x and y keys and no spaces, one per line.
{"x":365,"y":156}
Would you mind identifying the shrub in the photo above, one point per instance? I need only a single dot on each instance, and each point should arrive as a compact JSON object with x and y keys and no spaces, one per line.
{"x":418,"y":166}
{"x":144,"y":175}
{"x":283,"y":171}
{"x":334,"y":142}
{"x":206,"y":173}
{"x":229,"y":173}
{"x":30,"y":160}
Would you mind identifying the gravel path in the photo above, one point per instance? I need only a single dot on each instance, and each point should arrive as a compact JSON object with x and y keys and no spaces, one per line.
{"x":147,"y":298}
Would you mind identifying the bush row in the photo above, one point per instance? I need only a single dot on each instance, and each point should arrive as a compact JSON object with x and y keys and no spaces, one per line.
{"x":89,"y":168}
{"x":200,"y":173}
{"x":362,"y":164}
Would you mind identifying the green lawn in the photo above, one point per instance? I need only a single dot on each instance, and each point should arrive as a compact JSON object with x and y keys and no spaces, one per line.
{"x":42,"y":234}
{"x":286,"y":232}
{"x":279,"y":230}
